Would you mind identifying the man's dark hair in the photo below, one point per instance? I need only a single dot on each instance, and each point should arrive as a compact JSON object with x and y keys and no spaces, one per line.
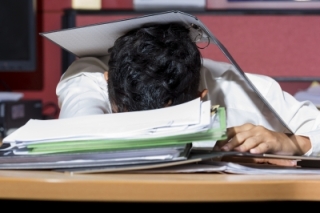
{"x":152,"y":66}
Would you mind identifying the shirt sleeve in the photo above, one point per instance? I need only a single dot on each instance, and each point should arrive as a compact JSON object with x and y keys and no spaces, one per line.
{"x":303,"y":118}
{"x":83,"y":90}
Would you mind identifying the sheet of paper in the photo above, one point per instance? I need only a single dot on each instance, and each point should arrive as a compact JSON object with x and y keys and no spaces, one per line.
{"x":187,"y":168}
{"x":231,"y":168}
{"x":266,"y":169}
{"x":118,"y":125}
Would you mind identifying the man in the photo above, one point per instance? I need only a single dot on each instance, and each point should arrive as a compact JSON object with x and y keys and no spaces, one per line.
{"x":160,"y":65}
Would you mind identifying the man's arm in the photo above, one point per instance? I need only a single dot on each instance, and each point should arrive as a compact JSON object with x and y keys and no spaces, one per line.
{"x":82,"y":89}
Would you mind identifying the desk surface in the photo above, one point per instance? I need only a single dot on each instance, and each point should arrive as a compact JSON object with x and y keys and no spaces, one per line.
{"x":49,"y":185}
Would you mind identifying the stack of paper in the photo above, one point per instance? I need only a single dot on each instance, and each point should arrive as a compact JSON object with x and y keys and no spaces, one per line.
{"x":150,"y":136}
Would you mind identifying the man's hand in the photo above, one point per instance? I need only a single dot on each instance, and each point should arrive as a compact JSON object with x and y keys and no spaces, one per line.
{"x":258,"y":139}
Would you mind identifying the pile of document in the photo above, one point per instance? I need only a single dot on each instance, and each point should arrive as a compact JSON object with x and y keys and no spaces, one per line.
{"x":114,"y":140}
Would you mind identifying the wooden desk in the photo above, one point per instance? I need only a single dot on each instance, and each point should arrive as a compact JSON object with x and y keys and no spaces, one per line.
{"x":43,"y":185}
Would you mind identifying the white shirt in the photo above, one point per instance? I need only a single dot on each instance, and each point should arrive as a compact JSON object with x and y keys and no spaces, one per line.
{"x":83,"y":90}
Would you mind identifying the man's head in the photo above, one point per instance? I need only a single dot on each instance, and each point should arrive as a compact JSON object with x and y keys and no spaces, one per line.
{"x":152,"y":67}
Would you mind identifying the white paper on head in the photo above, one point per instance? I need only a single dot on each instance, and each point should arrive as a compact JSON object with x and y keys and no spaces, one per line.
{"x":95,"y":40}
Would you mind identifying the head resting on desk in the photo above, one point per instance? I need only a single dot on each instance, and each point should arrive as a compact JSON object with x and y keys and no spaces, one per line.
{"x":153,"y":67}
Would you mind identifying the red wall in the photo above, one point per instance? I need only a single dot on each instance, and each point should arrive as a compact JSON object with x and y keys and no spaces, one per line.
{"x":272,"y":48}
{"x":41,"y":83}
